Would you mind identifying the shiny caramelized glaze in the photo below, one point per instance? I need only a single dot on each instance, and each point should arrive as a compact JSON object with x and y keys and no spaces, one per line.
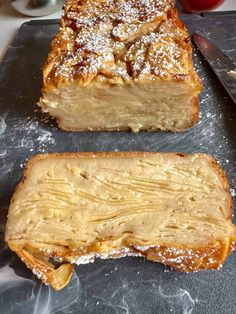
{"x":113,"y":41}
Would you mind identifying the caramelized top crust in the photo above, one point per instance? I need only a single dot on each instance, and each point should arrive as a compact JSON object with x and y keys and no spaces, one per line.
{"x":116,"y":41}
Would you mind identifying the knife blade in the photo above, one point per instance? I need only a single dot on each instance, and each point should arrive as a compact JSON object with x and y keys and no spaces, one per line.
{"x":220,"y":63}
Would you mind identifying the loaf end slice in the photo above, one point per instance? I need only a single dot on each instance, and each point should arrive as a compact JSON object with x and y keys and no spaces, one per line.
{"x":121,"y":65}
{"x":170,"y":208}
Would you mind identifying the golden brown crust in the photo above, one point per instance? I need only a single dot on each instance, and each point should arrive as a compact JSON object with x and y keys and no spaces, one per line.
{"x":38,"y":157}
{"x":57,"y":278}
{"x":122,"y":44}
{"x":183,"y":259}
{"x":191,"y":260}
{"x":195,"y":111}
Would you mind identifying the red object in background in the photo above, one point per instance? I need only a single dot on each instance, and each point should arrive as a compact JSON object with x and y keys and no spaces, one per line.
{"x":197,"y":6}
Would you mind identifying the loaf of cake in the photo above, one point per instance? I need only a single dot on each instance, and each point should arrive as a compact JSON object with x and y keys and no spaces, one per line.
{"x":121,"y":65}
{"x":74,"y":207}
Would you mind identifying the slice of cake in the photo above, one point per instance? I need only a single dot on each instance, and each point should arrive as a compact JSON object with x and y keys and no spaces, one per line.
{"x":121,"y":65}
{"x":170,"y":208}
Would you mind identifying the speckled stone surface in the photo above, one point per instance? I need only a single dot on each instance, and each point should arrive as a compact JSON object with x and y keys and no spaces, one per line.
{"x":128,"y":285}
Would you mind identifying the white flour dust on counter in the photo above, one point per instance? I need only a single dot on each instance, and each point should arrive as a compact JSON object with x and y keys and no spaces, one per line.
{"x":3,"y":125}
{"x":48,"y":301}
{"x":38,"y":298}
{"x":9,"y":279}
{"x":129,"y":298}
{"x":181,"y":297}
{"x":42,"y":136}
{"x":32,"y":136}
{"x":24,"y":136}
{"x":3,"y":153}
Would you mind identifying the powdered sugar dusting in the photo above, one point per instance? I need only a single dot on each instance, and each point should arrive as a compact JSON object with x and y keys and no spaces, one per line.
{"x":90,"y":258}
{"x":91,"y":37}
{"x":34,"y":136}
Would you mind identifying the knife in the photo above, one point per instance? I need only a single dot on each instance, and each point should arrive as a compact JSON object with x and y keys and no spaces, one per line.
{"x":220,"y":63}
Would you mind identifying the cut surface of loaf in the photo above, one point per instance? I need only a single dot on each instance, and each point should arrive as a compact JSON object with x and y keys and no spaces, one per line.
{"x":120,"y":65}
{"x":171,"y":208}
